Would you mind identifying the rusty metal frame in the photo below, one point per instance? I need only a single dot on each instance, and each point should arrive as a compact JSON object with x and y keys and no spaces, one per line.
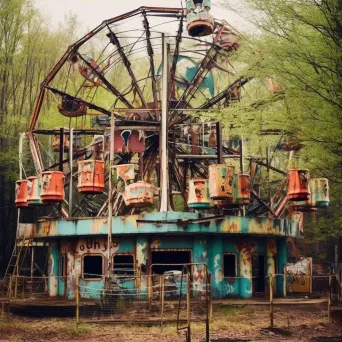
{"x":182,"y":105}
{"x":176,"y":53}
{"x":116,"y":92}
{"x":223,"y":94}
{"x":74,"y":48}
{"x":88,"y":104}
{"x":152,"y":68}
{"x":191,"y":89}
{"x":115,"y":41}
{"x":263,"y":203}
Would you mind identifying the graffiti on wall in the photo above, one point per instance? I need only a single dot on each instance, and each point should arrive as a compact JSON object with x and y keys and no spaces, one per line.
{"x":95,"y":245}
{"x":298,"y":276}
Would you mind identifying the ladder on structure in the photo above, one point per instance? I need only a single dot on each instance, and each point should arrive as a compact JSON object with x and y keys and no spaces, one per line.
{"x":17,"y":259}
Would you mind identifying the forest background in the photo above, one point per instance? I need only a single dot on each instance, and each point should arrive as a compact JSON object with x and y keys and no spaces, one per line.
{"x":298,"y":43}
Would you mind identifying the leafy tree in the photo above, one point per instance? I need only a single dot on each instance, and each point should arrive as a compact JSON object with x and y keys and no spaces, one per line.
{"x":300,"y":46}
{"x":28,"y":50}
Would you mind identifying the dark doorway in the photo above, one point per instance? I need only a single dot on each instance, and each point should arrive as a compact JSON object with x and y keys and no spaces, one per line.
{"x":229,"y":265}
{"x":258,"y":272}
{"x":169,"y":257}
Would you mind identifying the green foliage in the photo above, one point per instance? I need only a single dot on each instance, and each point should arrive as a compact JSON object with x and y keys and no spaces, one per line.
{"x":299,"y":45}
{"x":28,"y":51}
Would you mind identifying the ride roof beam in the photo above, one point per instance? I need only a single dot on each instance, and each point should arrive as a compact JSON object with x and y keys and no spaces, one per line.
{"x":115,"y":41}
{"x":115,"y":91}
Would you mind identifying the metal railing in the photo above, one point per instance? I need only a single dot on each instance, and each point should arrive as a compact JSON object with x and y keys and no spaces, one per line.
{"x":19,"y":287}
{"x":156,"y":298}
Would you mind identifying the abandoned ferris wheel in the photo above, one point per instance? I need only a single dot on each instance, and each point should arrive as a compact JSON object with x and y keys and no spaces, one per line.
{"x":128,"y":113}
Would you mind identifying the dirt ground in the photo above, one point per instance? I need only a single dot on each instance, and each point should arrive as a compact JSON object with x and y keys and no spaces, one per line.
{"x":228,"y":324}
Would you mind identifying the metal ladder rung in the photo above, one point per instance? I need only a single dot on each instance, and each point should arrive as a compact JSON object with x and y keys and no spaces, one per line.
{"x":15,"y":257}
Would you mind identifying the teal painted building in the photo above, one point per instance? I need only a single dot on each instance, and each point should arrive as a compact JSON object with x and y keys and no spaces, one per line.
{"x":240,"y":252}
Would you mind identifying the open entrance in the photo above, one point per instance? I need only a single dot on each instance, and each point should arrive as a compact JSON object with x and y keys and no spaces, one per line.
{"x":258,"y":273}
{"x":165,"y":258}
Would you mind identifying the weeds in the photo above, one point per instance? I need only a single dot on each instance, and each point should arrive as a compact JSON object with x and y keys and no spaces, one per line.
{"x":70,"y":328}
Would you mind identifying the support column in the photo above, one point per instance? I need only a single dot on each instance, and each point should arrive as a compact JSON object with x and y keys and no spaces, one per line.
{"x":245,"y":270}
{"x":53,"y":269}
{"x":200,"y":255}
{"x":71,"y":152}
{"x":142,"y":249}
{"x":215,"y":265}
{"x":282,"y":260}
{"x":271,"y":252}
{"x":163,"y":139}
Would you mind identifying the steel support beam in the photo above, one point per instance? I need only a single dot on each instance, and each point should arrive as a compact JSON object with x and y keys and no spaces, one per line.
{"x":163,"y":141}
{"x":71,"y":151}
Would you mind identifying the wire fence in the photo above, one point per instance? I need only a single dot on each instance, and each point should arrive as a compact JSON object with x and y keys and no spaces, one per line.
{"x":169,"y":297}
{"x":325,"y":289}
{"x":174,"y":296}
{"x":335,"y":284}
{"x":4,"y":286}
{"x":20,"y":287}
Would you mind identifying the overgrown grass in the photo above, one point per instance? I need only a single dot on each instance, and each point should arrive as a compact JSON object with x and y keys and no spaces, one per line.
{"x":71,"y":328}
{"x":11,"y":325}
{"x":231,"y":311}
{"x":227,"y":320}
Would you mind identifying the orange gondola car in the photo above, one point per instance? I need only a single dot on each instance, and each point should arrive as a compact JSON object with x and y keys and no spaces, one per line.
{"x":91,"y":176}
{"x":52,"y":186}
{"x":298,"y":186}
{"x":21,"y":193}
{"x":72,"y":108}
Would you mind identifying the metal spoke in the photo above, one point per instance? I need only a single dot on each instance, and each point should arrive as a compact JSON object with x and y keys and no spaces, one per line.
{"x":115,"y":91}
{"x":115,"y":41}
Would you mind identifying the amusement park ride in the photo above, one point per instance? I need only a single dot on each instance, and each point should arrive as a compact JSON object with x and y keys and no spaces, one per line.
{"x":136,"y":165}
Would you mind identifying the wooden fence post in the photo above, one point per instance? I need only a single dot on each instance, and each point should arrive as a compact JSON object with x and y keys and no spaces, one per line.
{"x":10,"y":288}
{"x":150,"y":292}
{"x":211,"y":299}
{"x":23,"y":288}
{"x":162,"y":301}
{"x":330,"y":292}
{"x":16,"y":287}
{"x":2,"y":309}
{"x":271,"y":299}
{"x":188,"y":309}
{"x":284,"y":283}
{"x":77,"y":299}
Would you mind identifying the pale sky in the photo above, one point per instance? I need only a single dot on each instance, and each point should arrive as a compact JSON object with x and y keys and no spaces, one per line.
{"x":91,"y":13}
